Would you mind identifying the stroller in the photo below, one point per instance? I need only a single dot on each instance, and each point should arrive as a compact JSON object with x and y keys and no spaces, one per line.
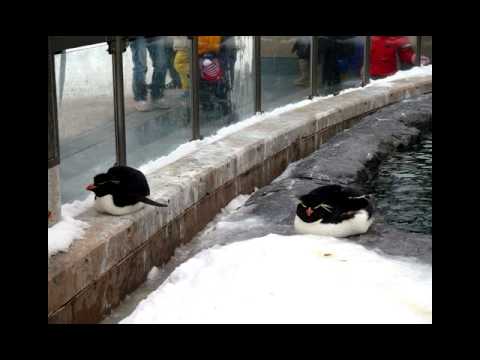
{"x":216,"y":83}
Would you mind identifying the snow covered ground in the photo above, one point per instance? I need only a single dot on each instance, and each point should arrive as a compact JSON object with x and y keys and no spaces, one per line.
{"x":284,"y":279}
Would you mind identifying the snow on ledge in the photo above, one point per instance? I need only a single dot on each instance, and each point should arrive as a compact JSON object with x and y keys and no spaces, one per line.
{"x":62,"y":234}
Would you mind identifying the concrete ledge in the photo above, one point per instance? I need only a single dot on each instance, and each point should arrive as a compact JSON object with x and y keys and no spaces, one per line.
{"x":117,"y":252}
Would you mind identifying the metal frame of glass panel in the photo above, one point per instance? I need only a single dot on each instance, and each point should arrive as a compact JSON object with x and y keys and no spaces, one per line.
{"x":257,"y":64}
{"x":195,"y":85}
{"x":366,"y":61}
{"x":116,"y":47}
{"x":314,"y":67}
{"x":418,"y":51}
{"x":53,"y":141}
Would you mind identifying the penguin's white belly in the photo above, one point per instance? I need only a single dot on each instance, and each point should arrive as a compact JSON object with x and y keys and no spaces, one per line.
{"x":105,"y":204}
{"x":358,"y":224}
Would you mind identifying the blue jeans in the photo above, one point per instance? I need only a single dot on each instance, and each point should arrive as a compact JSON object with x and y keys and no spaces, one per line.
{"x":156,"y":50}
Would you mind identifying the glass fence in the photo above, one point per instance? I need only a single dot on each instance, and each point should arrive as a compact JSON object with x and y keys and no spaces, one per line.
{"x":285,"y":70}
{"x":164,"y":102}
{"x":85,"y":117}
{"x":225,"y":97}
{"x":157,"y":96}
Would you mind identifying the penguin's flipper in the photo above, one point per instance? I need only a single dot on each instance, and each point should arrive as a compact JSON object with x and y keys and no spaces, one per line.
{"x":151,"y":202}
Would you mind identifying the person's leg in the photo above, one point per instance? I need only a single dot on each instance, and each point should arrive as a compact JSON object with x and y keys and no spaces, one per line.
{"x":139,"y":59}
{"x":170,"y":53}
{"x":156,"y":49}
{"x":182,"y":67}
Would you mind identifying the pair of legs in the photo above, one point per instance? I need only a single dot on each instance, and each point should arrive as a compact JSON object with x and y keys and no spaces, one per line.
{"x":156,"y":49}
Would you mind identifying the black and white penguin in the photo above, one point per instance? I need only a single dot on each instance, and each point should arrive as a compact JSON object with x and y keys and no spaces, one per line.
{"x":334,"y":210}
{"x":122,"y":190}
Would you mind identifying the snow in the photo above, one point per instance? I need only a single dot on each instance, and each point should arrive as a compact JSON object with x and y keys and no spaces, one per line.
{"x":153,"y":273}
{"x":291,"y":279}
{"x":62,"y":234}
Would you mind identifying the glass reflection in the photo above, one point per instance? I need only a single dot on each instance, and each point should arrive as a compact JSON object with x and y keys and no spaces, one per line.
{"x":226,"y":83}
{"x":156,"y":90}
{"x":340,"y":62}
{"x":85,"y":117}
{"x":285,"y":70}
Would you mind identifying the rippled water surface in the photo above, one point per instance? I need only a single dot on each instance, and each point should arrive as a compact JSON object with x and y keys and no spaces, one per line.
{"x":403,"y":188}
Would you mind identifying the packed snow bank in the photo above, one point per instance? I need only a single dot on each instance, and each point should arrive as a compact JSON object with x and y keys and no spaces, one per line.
{"x":62,"y":234}
{"x":291,"y":279}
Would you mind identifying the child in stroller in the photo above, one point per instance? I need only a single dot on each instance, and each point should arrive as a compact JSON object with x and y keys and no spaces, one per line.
{"x":216,"y":65}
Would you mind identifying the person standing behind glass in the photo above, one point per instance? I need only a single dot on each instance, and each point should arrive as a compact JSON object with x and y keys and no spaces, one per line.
{"x":389,"y":53}
{"x":156,"y":49}
{"x":302,"y":49}
{"x":170,"y":53}
{"x":181,"y":45}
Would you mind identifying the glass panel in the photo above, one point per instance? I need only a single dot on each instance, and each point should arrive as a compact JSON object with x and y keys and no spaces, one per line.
{"x":427,"y":47}
{"x":157,"y":100}
{"x":340,"y":61}
{"x":285,"y":69}
{"x":388,"y":54}
{"x":85,"y":117}
{"x":227,"y":81}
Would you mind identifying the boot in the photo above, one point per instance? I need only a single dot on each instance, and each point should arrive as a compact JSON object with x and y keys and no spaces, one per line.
{"x":304,"y":67}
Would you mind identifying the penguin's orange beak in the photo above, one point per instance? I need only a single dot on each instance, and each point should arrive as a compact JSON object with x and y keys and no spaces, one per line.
{"x":309,"y":212}
{"x":90,"y":187}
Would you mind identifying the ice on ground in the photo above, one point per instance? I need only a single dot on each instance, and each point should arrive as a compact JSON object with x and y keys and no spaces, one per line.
{"x":291,"y":279}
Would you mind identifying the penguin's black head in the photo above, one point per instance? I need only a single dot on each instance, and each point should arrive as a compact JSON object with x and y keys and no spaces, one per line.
{"x":103,"y":184}
{"x":312,"y":208}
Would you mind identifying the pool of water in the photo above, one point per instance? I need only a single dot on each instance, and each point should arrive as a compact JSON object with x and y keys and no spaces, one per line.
{"x":403,"y":188}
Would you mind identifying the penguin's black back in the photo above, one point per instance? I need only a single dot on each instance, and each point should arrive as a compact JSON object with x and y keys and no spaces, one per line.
{"x":132,"y":186}
{"x":343,"y":201}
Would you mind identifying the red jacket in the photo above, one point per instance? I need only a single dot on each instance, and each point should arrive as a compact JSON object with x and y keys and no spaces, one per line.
{"x":383,"y":54}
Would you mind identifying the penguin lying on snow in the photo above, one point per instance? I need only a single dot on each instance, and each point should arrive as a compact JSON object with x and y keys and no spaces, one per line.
{"x":334,"y":210}
{"x":122,"y":190}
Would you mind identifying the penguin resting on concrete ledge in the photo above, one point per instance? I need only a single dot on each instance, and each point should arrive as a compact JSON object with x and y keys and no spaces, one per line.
{"x":122,"y":190}
{"x":334,"y":210}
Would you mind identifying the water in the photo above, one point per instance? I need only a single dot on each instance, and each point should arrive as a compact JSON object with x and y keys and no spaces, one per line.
{"x":403,"y":188}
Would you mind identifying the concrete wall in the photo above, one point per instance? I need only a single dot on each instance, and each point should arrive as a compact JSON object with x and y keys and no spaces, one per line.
{"x":117,"y":252}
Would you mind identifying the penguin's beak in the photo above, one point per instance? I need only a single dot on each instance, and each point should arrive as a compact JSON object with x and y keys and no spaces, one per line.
{"x":309,"y":212}
{"x":90,"y":187}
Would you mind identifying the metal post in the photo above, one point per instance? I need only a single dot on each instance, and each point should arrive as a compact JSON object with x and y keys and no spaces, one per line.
{"x":257,"y":64}
{"x":116,"y":48}
{"x":195,"y":85}
{"x":53,"y":140}
{"x":419,"y":51}
{"x":313,"y":67}
{"x":366,"y":61}
{"x":54,"y":193}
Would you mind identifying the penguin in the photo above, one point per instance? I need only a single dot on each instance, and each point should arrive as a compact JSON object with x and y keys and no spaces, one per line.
{"x":334,"y":210}
{"x":120,"y":191}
